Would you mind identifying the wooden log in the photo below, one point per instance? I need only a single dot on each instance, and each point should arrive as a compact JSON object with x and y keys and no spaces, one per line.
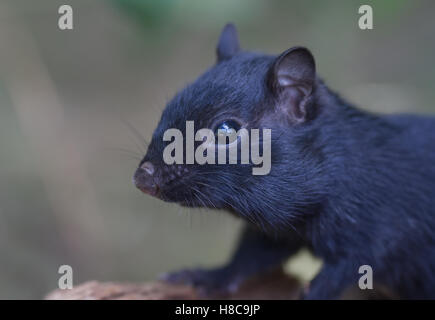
{"x":274,"y":285}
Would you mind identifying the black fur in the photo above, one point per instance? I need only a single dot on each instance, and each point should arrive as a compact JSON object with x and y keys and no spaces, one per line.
{"x":357,"y":188}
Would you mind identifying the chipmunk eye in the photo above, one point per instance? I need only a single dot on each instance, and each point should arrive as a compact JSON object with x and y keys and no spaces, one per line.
{"x":229,"y":129}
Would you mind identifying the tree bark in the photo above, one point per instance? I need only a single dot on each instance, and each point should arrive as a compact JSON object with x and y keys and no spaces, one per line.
{"x":274,"y":285}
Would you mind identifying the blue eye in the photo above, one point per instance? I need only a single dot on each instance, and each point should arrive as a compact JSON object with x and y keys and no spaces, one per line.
{"x":229,"y":129}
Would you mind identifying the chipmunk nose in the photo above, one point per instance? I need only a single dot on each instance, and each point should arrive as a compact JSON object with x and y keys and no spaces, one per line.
{"x":148,"y":167}
{"x":144,"y":179}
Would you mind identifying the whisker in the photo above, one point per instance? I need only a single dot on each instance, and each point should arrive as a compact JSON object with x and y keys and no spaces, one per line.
{"x":124,"y":151}
{"x":138,"y":136}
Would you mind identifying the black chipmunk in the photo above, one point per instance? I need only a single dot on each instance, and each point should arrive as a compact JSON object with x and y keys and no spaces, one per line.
{"x":356,"y":188}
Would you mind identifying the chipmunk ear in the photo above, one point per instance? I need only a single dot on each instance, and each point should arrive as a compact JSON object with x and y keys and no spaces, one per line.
{"x":292,"y":78}
{"x":228,"y":44}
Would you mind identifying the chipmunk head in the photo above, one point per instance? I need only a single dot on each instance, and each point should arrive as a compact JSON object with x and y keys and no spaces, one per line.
{"x":242,"y":91}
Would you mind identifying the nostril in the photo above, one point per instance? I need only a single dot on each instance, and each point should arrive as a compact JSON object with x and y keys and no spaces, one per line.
{"x":148,"y":167}
{"x":144,"y":181}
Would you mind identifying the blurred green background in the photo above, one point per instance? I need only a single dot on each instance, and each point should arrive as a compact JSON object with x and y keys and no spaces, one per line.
{"x":67,"y":155}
